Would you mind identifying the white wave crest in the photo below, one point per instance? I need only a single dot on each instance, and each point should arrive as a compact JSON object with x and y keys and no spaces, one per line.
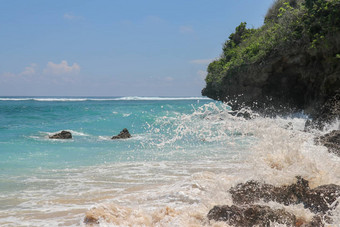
{"x":74,"y":133}
{"x":60,"y":99}
{"x":136,"y":98}
{"x":15,"y":99}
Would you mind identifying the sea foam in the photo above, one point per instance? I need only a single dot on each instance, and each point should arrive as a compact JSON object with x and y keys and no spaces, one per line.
{"x":275,"y":154}
{"x":181,"y":165}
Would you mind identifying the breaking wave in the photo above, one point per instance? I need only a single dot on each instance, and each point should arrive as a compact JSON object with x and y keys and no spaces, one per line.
{"x":173,"y":173}
{"x":231,"y":150}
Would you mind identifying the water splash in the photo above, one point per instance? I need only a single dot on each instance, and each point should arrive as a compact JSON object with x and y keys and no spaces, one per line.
{"x":272,"y":150}
{"x":195,"y":158}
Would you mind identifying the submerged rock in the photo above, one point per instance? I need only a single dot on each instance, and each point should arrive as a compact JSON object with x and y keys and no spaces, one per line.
{"x":318,"y":200}
{"x":124,"y":134}
{"x":331,"y":141}
{"x":253,"y":215}
{"x":62,"y":135}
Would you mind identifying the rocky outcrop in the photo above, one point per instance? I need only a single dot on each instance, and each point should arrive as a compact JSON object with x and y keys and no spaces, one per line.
{"x":328,"y":113}
{"x":331,"y":141}
{"x":124,"y":134}
{"x":256,"y":215}
{"x":321,"y":200}
{"x":318,"y":200}
{"x":253,"y":215}
{"x":291,"y":80}
{"x":62,"y":135}
{"x":254,"y":191}
{"x":282,"y":66}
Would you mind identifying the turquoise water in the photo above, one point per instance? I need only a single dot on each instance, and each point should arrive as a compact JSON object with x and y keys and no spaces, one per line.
{"x":28,"y":158}
{"x":26,"y":124}
{"x":184,"y":154}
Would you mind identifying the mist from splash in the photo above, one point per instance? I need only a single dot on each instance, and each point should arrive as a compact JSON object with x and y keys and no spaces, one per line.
{"x":230,"y":150}
{"x":180,"y":162}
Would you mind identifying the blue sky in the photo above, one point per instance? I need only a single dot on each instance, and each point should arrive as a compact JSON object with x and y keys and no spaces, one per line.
{"x":115,"y":47}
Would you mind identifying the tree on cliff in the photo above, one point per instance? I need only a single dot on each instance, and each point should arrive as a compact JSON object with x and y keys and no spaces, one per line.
{"x":254,"y":59}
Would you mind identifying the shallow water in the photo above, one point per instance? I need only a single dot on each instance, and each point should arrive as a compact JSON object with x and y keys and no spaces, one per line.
{"x":184,"y":156}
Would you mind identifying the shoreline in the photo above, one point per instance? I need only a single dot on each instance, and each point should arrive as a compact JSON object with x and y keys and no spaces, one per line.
{"x":185,"y":166}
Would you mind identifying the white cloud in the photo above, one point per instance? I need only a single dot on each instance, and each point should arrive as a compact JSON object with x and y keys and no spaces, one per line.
{"x":201,"y":61}
{"x":62,"y":68}
{"x":70,"y":16}
{"x":202,"y":74}
{"x":186,"y":29}
{"x":29,"y":70}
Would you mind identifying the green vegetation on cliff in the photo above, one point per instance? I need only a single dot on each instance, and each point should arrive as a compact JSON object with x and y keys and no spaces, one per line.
{"x":307,"y":25}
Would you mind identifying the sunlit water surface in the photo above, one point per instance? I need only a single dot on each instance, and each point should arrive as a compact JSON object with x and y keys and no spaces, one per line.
{"x":183,"y":157}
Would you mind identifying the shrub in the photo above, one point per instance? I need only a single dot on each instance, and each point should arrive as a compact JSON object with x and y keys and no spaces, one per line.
{"x":287,"y":23}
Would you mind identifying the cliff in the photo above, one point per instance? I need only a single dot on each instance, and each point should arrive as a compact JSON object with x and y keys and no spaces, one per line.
{"x":291,"y":62}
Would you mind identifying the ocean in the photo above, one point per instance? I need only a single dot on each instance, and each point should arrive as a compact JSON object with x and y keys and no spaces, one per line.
{"x":184,"y":155}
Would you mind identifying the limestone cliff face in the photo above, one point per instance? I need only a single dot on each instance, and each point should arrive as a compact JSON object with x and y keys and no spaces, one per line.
{"x":297,"y":76}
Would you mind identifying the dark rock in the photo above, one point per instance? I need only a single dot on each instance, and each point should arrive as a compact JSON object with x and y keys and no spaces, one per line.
{"x":316,"y":221}
{"x":331,"y":141}
{"x":124,"y":134}
{"x":320,"y":199}
{"x":89,"y":220}
{"x":62,"y":135}
{"x":284,"y":81}
{"x":253,"y":215}
{"x":328,"y":113}
{"x":253,"y":191}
